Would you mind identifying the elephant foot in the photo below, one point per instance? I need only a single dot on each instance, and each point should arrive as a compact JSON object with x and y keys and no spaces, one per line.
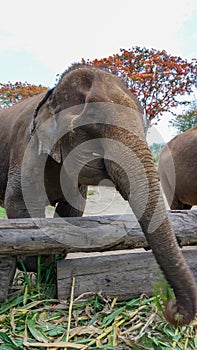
{"x":31,"y":262}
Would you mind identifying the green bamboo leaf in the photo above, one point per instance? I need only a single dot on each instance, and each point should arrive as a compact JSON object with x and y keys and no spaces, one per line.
{"x":5,"y":338}
{"x":56,"y":330}
{"x":33,"y":304}
{"x":7,"y":347}
{"x":8,"y":341}
{"x":12,"y":302}
{"x":35,"y":332}
{"x":110,"y":318}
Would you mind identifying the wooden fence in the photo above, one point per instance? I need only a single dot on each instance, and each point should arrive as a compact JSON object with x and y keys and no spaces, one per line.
{"x":123,"y":273}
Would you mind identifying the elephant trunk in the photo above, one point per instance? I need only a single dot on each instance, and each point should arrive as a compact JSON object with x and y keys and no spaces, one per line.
{"x":129,"y":164}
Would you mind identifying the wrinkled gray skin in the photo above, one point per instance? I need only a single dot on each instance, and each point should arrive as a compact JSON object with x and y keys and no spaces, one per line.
{"x":178,"y":170}
{"x":111,"y":117}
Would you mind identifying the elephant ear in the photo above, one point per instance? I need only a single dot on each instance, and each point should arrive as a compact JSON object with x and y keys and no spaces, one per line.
{"x":45,"y":126}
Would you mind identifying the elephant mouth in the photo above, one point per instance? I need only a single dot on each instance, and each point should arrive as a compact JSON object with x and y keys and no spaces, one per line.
{"x":94,"y":171}
{"x":97,"y":162}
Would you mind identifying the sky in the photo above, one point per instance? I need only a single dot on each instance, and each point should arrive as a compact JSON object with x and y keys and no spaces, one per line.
{"x":40,"y":39}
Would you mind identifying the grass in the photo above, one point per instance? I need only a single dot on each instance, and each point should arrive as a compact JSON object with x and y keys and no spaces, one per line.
{"x":2,"y":213}
{"x":33,"y":319}
{"x":91,"y":192}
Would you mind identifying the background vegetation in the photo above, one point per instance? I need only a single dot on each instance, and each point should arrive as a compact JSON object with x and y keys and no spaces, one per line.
{"x":159,"y":80}
{"x":187,"y":120}
{"x":11,"y":93}
{"x":155,"y":150}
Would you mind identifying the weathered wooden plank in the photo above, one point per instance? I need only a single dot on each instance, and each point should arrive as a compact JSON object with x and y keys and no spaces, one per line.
{"x":86,"y":234}
{"x":123,"y":275}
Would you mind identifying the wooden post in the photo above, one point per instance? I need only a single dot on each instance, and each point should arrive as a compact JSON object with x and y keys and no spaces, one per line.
{"x":7,"y":271}
{"x":124,"y":275}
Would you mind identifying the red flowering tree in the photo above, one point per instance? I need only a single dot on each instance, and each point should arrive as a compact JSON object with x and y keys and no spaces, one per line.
{"x":14,"y":93}
{"x":156,"y":78}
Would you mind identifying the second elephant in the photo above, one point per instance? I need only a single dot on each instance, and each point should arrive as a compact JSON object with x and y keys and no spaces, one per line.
{"x":178,"y":170}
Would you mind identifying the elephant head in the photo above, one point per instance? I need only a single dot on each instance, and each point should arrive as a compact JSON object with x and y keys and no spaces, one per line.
{"x":93,"y":125}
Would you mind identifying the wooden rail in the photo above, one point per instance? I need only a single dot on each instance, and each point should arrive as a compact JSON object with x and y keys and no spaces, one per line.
{"x":86,"y":234}
{"x":126,"y":275}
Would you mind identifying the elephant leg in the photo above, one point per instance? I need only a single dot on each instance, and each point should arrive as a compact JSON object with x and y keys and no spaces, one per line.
{"x":187,"y":207}
{"x":15,"y":204}
{"x":178,"y":205}
{"x":17,"y":208}
{"x":64,"y":209}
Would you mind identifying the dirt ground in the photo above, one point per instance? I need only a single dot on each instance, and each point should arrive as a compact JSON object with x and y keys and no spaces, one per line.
{"x":106,"y":201}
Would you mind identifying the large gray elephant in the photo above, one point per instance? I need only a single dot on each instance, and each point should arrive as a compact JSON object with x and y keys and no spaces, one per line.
{"x":178,"y":170}
{"x":89,"y":128}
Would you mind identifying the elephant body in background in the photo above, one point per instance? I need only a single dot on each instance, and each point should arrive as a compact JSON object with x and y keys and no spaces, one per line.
{"x":86,"y":129}
{"x":178,"y":170}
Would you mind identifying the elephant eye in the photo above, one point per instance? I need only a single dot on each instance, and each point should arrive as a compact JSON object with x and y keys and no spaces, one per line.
{"x":86,"y":83}
{"x":82,"y":99}
{"x":76,"y":99}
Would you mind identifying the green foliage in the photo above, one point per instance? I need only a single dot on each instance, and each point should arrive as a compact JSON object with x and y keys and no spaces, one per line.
{"x":2,"y":213}
{"x":155,"y":150}
{"x":186,"y":120}
{"x":13,"y":93}
{"x":31,"y":319}
{"x":91,"y":192}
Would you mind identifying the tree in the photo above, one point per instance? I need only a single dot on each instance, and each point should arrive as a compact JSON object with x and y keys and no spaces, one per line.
{"x":155,"y":77}
{"x":13,"y":93}
{"x":155,"y":150}
{"x":186,"y":120}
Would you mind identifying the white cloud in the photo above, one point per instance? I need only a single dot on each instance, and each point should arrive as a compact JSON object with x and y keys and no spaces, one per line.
{"x":60,"y":32}
{"x":162,"y":132}
{"x":57,"y":33}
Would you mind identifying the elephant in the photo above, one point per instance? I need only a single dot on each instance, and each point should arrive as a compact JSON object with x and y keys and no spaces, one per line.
{"x":88,"y":128}
{"x":178,"y":170}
